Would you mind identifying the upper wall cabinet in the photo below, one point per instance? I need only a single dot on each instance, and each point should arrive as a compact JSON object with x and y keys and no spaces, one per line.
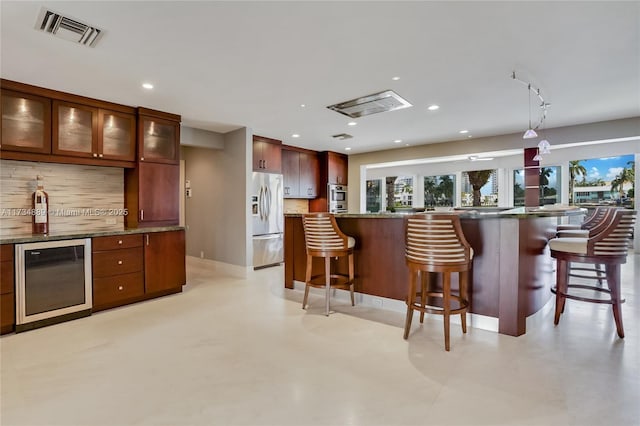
{"x":267,"y":155}
{"x":26,"y":122}
{"x":300,"y":170}
{"x":75,"y":129}
{"x":158,"y":136}
{"x":46,"y":125}
{"x":337,"y":168}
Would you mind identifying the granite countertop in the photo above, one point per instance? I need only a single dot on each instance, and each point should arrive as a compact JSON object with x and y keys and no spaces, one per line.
{"x":518,"y":212}
{"x":34,"y":238}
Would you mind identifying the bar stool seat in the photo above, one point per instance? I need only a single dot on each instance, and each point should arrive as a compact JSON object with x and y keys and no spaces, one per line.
{"x":609,"y":248}
{"x":324,"y":239}
{"x":435,"y":243}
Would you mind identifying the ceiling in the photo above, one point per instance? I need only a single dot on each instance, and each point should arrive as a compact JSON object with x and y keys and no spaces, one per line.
{"x":225,"y":65}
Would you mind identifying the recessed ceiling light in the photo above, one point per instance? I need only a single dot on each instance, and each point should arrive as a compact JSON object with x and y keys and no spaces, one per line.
{"x":395,"y":78}
{"x":397,"y":141}
{"x":470,"y":136}
{"x":295,"y":135}
{"x":406,"y":144}
{"x":352,"y":123}
{"x":433,"y":107}
{"x":348,"y":148}
{"x":464,"y":131}
{"x":147,"y":86}
{"x":302,"y":105}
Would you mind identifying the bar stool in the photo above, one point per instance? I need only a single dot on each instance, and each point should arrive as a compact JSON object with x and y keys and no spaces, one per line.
{"x":609,"y":248}
{"x":435,"y":243}
{"x":324,"y":239}
{"x":593,"y":225}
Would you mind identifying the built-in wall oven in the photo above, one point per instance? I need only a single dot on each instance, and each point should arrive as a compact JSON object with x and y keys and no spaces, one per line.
{"x":337,"y":198}
{"x":53,"y":282}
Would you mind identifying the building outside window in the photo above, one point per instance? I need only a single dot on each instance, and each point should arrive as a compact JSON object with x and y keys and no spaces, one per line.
{"x":602,"y":181}
{"x":439,"y":190}
{"x":488,"y":193}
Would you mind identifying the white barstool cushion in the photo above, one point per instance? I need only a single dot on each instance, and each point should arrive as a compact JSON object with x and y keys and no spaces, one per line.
{"x":573,"y":233}
{"x":351,"y":242}
{"x":569,"y":245}
{"x":567,"y":226}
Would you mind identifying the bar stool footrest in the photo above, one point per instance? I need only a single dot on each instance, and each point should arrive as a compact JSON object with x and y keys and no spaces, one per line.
{"x":336,"y":281}
{"x":554,"y":290}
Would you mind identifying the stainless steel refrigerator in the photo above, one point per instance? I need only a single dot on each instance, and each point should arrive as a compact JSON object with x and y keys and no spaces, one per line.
{"x":268,"y":219}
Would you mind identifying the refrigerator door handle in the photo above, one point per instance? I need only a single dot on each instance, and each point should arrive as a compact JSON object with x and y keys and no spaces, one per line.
{"x":268,"y":209}
{"x":260,"y":203}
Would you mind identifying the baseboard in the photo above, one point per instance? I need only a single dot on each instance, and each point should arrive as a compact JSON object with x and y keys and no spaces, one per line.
{"x":221,"y":267}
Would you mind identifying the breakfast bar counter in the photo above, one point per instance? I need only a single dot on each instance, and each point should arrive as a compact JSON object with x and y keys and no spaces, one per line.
{"x":512,"y":269}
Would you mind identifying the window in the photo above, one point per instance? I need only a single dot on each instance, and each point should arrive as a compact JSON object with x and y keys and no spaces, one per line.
{"x":480,"y":188}
{"x":602,"y":181}
{"x":399,"y":191}
{"x":549,"y":186}
{"x":374,"y":195}
{"x":439,"y":190}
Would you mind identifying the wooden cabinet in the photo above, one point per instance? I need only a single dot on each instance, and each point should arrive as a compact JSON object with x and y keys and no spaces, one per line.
{"x":26,"y":122}
{"x":337,"y":168}
{"x":117,"y":270}
{"x":300,"y":173}
{"x":267,"y":155}
{"x":334,"y":169}
{"x":164,"y":262}
{"x":45,"y":125}
{"x":7,"y":292}
{"x":158,"y":136}
{"x":152,"y":195}
{"x":116,"y":135}
{"x":75,"y":129}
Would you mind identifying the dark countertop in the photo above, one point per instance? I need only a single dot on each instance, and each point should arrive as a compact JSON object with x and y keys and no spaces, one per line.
{"x":31,"y":238}
{"x":518,"y":213}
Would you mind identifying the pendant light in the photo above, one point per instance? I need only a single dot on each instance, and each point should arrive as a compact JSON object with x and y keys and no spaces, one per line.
{"x":530,"y":133}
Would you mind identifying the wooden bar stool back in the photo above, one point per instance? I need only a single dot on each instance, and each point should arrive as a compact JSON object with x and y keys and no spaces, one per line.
{"x":324,"y":239}
{"x":435,"y":243}
{"x":609,"y":248}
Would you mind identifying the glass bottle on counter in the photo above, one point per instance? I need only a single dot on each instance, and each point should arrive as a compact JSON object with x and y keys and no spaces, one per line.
{"x":40,"y":205}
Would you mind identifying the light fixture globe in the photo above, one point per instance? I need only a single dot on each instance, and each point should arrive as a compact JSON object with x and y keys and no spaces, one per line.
{"x":530,"y":134}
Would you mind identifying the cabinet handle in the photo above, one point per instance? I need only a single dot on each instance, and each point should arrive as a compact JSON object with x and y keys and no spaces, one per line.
{"x":147,"y":239}
{"x":100,"y":155}
{"x":142,"y":214}
{"x":141,"y":158}
{"x":120,"y":288}
{"x":119,"y":241}
{"x":265,"y":164}
{"x":95,"y":155}
{"x":119,"y":262}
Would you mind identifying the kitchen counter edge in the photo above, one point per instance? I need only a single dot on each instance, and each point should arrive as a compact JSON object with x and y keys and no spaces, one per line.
{"x":516,"y":213}
{"x":30,"y":238}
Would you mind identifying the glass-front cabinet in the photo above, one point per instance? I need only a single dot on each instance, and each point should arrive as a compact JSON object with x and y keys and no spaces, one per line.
{"x":26,"y":122}
{"x":117,"y":135}
{"x":75,"y":129}
{"x":159,"y":139}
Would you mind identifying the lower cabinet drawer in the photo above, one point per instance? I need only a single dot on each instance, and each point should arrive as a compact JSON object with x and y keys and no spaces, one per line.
{"x":116,"y":262}
{"x":109,"y":291}
{"x":7,"y":313}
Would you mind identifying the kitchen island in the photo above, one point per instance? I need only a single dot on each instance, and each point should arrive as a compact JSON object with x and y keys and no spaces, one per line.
{"x":512,"y":269}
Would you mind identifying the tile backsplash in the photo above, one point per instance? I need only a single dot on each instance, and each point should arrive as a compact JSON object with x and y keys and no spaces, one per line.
{"x":81,"y":198}
{"x":294,"y":205}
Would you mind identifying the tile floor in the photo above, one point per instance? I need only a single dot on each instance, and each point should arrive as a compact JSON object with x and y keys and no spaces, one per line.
{"x":231,"y":351}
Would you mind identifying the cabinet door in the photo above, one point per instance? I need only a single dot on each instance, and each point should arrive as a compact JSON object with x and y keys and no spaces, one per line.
{"x":290,"y":173}
{"x":158,"y":193}
{"x":337,"y":168}
{"x":26,"y":122}
{"x":116,"y":135}
{"x":309,"y":175}
{"x":159,"y":140}
{"x":75,"y":130}
{"x":164,"y":261}
{"x":272,"y":158}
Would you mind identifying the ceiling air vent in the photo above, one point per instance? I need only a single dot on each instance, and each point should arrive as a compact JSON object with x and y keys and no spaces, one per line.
{"x":342,"y":136}
{"x":371,"y":104}
{"x":67,"y":28}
